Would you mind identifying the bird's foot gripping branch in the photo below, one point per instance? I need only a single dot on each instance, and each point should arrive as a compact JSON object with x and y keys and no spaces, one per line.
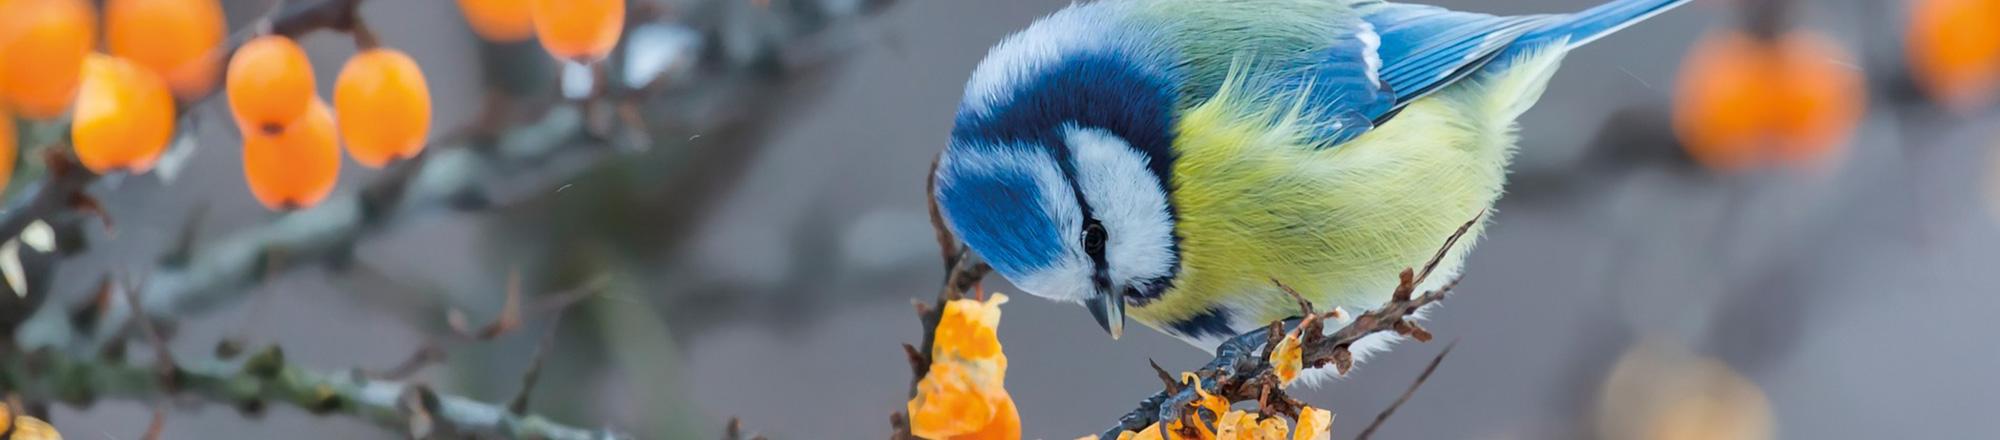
{"x":959,"y":391}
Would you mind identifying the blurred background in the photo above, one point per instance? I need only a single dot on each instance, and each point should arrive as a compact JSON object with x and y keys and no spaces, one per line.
{"x":758,"y":245}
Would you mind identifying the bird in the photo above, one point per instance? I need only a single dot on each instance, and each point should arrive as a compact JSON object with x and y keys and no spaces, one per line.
{"x":1166,"y":160}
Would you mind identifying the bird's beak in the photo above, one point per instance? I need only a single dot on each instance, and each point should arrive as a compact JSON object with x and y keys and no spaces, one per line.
{"x":1109,"y":309}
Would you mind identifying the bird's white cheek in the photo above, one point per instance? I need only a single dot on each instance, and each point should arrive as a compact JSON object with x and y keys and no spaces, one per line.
{"x":1068,"y":282}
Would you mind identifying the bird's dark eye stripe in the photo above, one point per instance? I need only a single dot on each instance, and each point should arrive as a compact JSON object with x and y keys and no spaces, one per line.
{"x":1093,"y":238}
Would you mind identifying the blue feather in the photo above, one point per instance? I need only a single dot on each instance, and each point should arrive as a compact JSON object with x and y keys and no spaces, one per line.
{"x":996,"y":210}
{"x":1588,"y":25}
{"x":1349,"y":103}
{"x":1427,"y":47}
{"x":1424,"y":48}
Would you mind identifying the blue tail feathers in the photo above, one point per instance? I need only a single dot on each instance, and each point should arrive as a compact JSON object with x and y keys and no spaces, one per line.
{"x":1588,"y":25}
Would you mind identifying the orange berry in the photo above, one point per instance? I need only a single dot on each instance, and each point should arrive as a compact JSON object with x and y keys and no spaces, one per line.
{"x":174,"y":38}
{"x":270,"y":84}
{"x":384,"y":106}
{"x":1743,"y":100}
{"x":8,"y":153}
{"x":579,"y":30}
{"x":296,"y":167}
{"x":45,"y":42}
{"x":1819,"y":98}
{"x":500,"y":21}
{"x":124,"y":116}
{"x":1954,"y":50}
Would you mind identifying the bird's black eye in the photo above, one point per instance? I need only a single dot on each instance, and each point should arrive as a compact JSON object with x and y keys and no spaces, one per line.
{"x":1093,"y":237}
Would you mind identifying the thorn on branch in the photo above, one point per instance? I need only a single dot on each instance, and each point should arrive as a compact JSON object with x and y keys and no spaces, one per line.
{"x":919,"y":363}
{"x":1425,"y":376}
{"x":1165,"y":377}
{"x":510,"y":315}
{"x":519,"y":406}
{"x":430,"y":353}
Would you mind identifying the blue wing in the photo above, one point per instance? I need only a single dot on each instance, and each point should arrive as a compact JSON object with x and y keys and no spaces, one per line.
{"x":1406,"y":52}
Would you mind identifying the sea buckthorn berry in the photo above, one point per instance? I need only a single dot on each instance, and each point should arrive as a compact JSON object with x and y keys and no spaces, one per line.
{"x":1745,"y":101}
{"x":174,"y":38}
{"x":579,"y":30}
{"x":1819,"y":96}
{"x":270,"y":84}
{"x":294,"y":168}
{"x":499,"y":21}
{"x":124,"y":116}
{"x":9,"y":151}
{"x":1954,"y":50}
{"x":45,"y":42}
{"x":383,"y":105}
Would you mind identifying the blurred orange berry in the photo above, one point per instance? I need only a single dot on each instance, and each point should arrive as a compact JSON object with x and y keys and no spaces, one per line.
{"x":9,"y":152}
{"x":296,"y":167}
{"x":1954,"y":50}
{"x":499,"y":21}
{"x":30,"y":428}
{"x":270,"y":84}
{"x":384,"y":106}
{"x":23,"y":427}
{"x":174,"y":38}
{"x":44,"y":42}
{"x":1743,"y":101}
{"x":124,"y":116}
{"x":579,"y":30}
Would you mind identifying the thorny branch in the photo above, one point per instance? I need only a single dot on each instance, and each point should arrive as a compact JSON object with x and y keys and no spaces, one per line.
{"x":1242,"y":370}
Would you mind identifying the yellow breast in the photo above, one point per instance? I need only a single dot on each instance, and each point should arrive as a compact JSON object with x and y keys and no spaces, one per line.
{"x":1257,"y":201}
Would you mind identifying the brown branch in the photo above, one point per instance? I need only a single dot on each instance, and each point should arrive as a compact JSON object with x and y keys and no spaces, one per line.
{"x":1382,"y":418}
{"x":963,"y":270}
{"x":1242,"y":370}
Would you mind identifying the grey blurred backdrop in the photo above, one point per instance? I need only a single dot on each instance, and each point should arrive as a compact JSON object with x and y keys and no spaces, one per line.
{"x":1860,"y":299}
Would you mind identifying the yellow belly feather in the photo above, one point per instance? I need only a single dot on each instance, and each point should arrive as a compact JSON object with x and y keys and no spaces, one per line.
{"x":1256,"y":201}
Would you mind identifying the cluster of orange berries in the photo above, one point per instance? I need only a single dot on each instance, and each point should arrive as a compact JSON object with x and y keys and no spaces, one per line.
{"x":573,"y":30}
{"x":291,"y":141}
{"x":1747,"y":100}
{"x":122,"y":103}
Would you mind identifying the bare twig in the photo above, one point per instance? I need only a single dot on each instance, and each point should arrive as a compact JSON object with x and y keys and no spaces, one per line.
{"x":520,"y":403}
{"x":1382,"y":418}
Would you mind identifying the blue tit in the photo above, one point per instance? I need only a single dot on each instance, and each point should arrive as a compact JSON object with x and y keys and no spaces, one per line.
{"x":1166,"y":160}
